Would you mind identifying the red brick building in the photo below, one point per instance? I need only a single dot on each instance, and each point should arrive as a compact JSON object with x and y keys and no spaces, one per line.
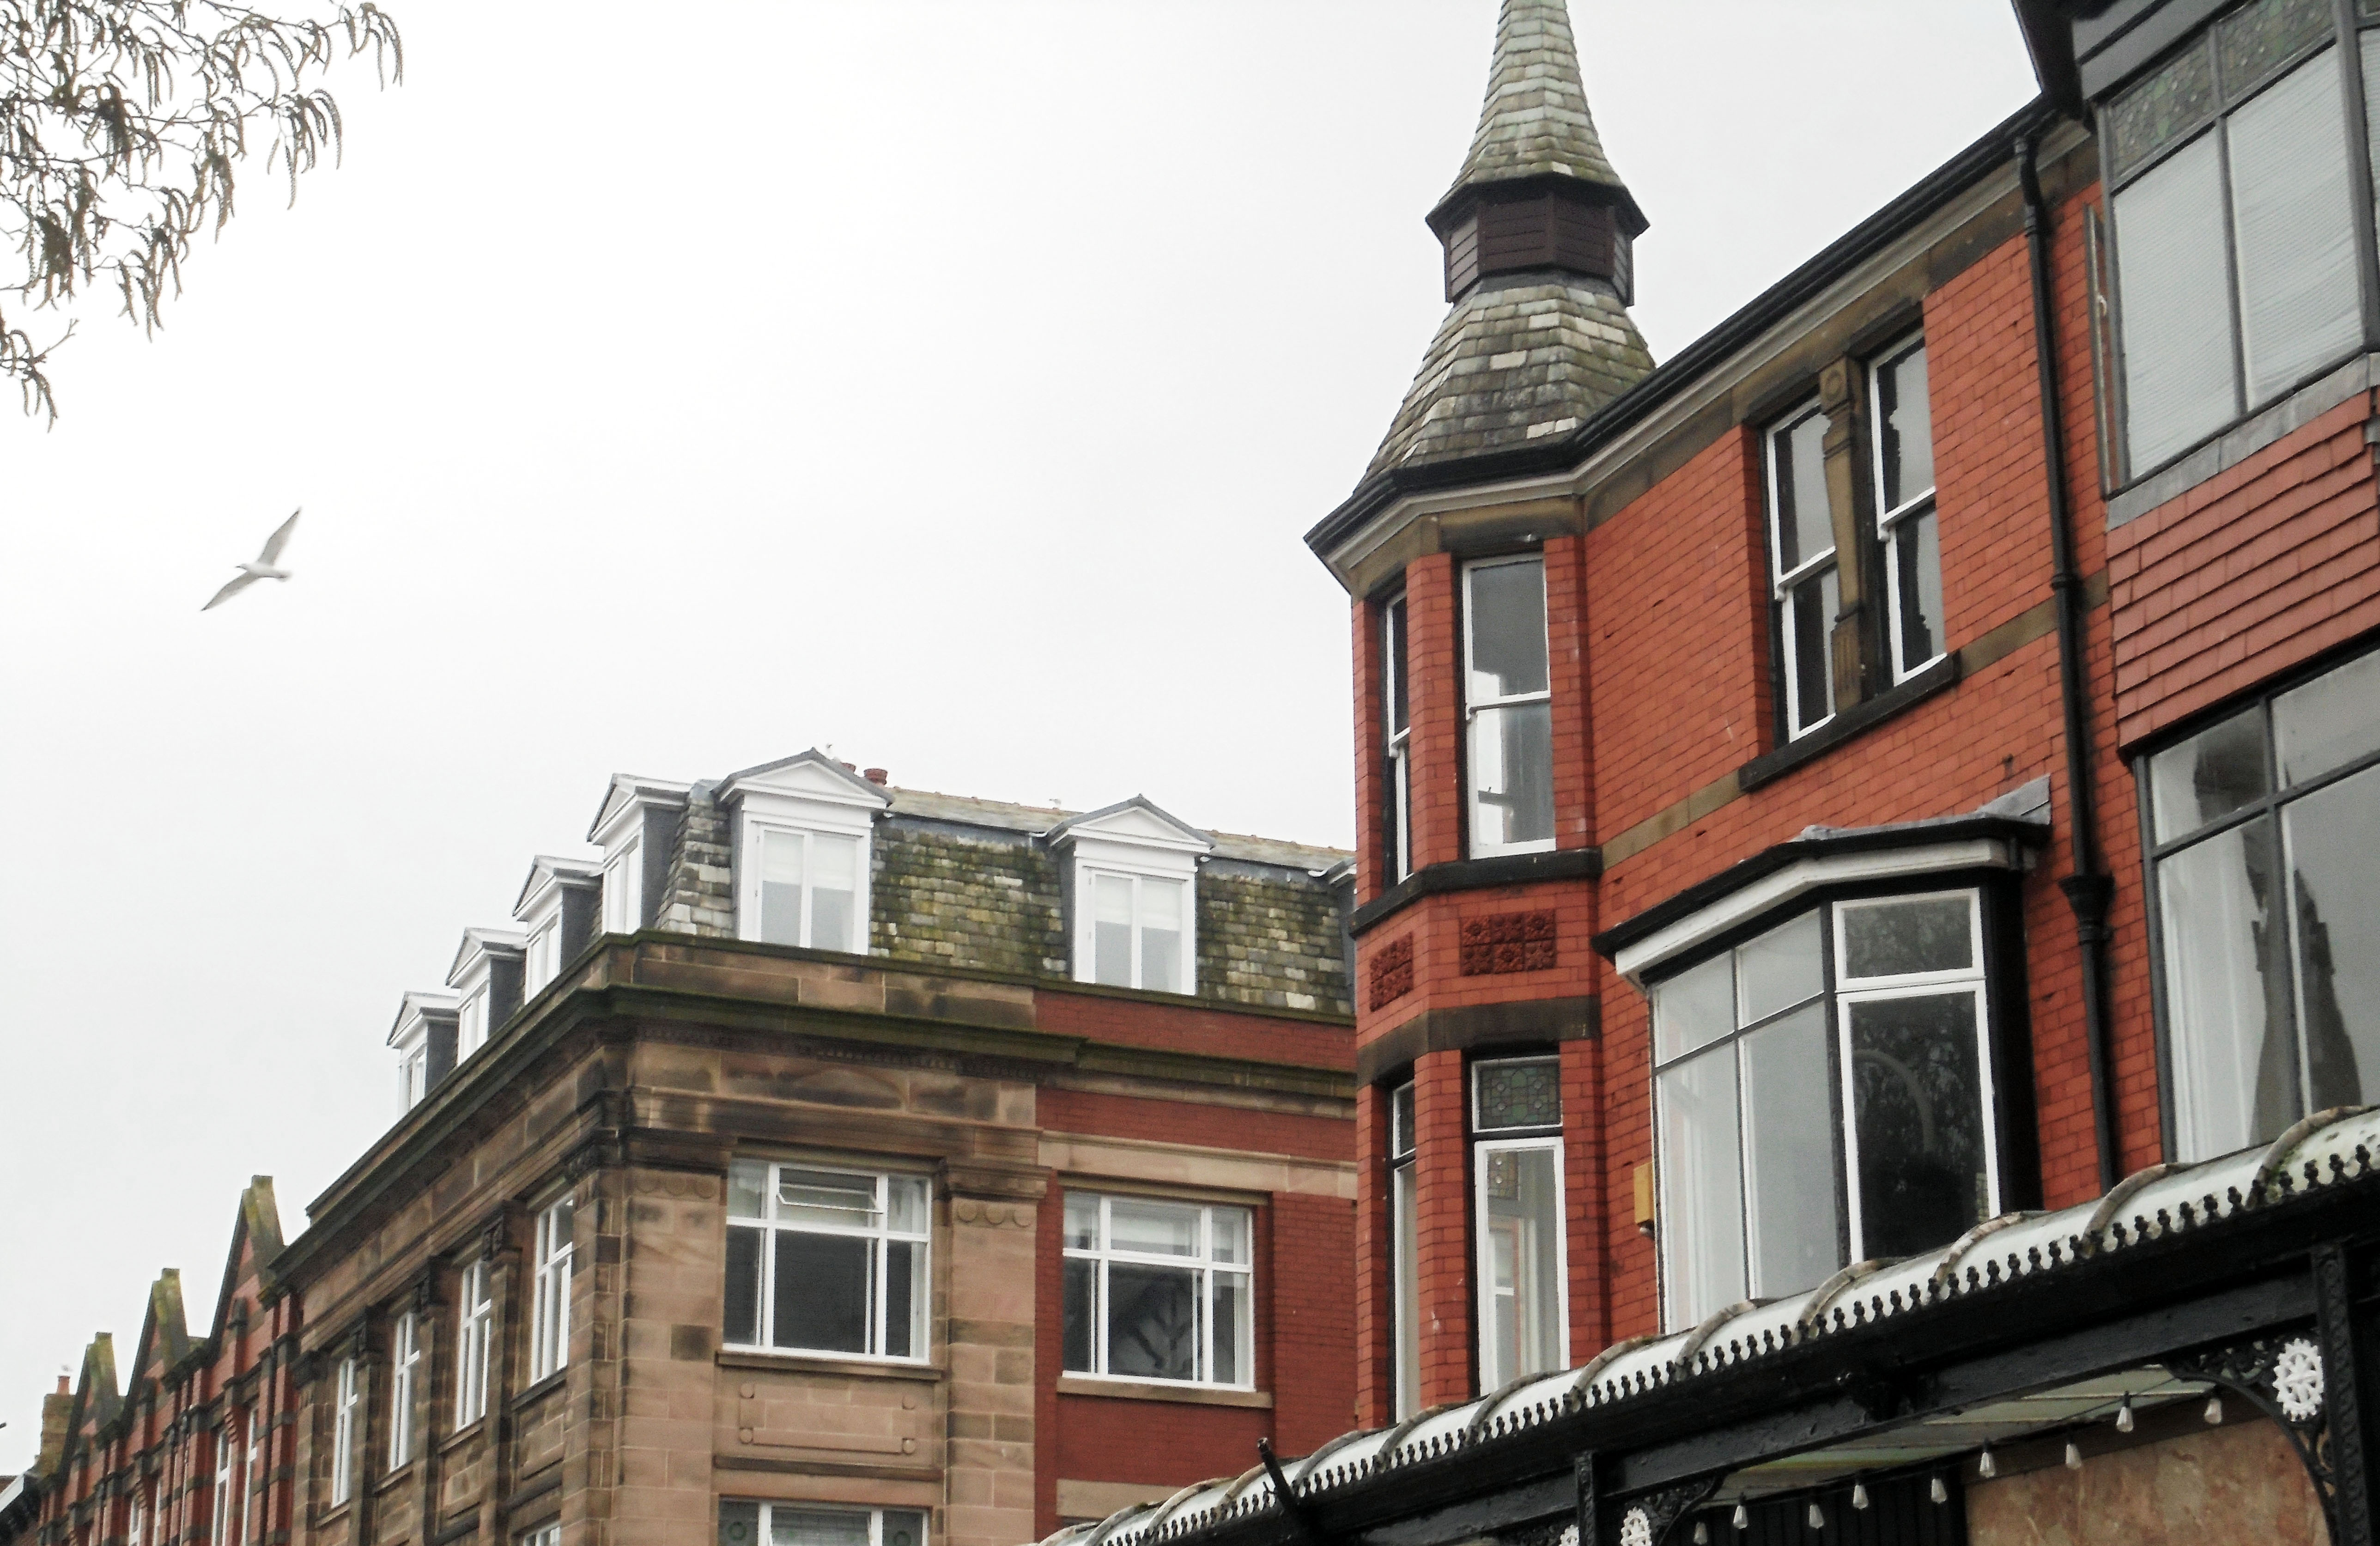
{"x":817,"y":1161}
{"x":1869,"y":875}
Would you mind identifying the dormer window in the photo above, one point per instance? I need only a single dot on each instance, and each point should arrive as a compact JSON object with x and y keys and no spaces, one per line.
{"x":802,"y":852}
{"x":1139,"y":933}
{"x":1132,"y":896}
{"x":556,"y":910}
{"x":486,"y":978}
{"x":638,"y":818}
{"x":423,"y":1039}
{"x":413,"y":1078}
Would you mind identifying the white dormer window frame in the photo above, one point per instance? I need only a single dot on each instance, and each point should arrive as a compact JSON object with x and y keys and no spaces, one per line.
{"x":472,"y":979}
{"x":410,"y":1040}
{"x":801,"y":826}
{"x":471,"y":1023}
{"x":624,"y":889}
{"x":413,"y":1076}
{"x":1136,"y":869}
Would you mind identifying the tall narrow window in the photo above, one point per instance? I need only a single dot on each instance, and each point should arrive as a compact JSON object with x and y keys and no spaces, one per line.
{"x":756,"y":1524}
{"x":476,"y":1311}
{"x":133,"y":1519}
{"x":2234,"y":224}
{"x":623,"y":885}
{"x":1904,"y":510}
{"x":1159,"y":1290}
{"x":1508,"y":696}
{"x":345,"y":1401}
{"x":549,"y":1347}
{"x":1404,"y":1230}
{"x":405,"y":1361}
{"x":1808,"y":589}
{"x":807,"y":890}
{"x":2266,"y":834}
{"x":413,"y":1076}
{"x":1138,"y":933}
{"x":1876,"y":1007}
{"x":1516,"y":1169}
{"x":824,"y":1261}
{"x":219,"y":1516}
{"x":1396,"y":719}
{"x":250,"y":1474}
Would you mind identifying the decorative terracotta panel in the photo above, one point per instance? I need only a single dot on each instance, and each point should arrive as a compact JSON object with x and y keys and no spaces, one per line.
{"x":1508,"y":941}
{"x":1393,"y":971}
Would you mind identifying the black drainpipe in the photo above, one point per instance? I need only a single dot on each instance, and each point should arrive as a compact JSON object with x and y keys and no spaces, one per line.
{"x":2087,"y":888}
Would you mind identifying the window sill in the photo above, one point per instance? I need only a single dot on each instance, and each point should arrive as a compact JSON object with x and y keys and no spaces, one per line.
{"x":1850,"y":725}
{"x":403,"y":1473}
{"x":463,"y":1435}
{"x":812,"y":1363}
{"x":1149,"y":1390}
{"x":1473,"y":874}
{"x":543,"y":1388}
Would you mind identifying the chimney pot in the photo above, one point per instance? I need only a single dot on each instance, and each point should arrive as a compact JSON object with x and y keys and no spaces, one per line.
{"x":877,"y":776}
{"x":62,"y":1385}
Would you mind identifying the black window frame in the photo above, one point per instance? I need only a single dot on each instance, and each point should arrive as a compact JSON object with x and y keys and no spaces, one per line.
{"x":2350,"y":20}
{"x":2011,"y":1128}
{"x":2265,"y":809}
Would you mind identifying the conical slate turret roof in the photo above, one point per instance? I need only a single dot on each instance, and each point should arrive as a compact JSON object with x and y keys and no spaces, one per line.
{"x":1531,"y":350}
{"x":1535,"y":119}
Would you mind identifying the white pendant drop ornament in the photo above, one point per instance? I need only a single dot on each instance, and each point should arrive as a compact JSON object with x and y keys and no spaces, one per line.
{"x":2073,"y":1455}
{"x":1637,"y":1529}
{"x":1742,"y":1519}
{"x":1941,"y":1494}
{"x":1817,"y":1518}
{"x":2297,"y":1380}
{"x":2124,"y":1416}
{"x":2213,"y":1413}
{"x":1986,"y":1467}
{"x":1859,"y":1495}
{"x":1702,"y":1533}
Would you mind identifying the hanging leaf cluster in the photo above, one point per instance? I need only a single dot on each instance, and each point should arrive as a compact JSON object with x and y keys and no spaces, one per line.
{"x":123,"y":124}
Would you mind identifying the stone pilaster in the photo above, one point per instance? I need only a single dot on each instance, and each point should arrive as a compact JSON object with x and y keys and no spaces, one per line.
{"x":988,"y":1273}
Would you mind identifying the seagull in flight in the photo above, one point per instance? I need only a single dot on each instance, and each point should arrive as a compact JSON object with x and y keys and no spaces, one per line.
{"x":265,"y":567}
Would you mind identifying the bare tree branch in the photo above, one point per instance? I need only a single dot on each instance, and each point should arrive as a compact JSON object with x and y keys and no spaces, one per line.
{"x":122,"y":124}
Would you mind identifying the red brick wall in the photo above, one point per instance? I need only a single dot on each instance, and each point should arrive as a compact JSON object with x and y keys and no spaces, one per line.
{"x":1373,"y":1329}
{"x":1373,"y":854}
{"x":1313,"y":1304}
{"x":1434,"y":706}
{"x":1566,"y":675}
{"x":2257,"y":570}
{"x":1443,"y":1205}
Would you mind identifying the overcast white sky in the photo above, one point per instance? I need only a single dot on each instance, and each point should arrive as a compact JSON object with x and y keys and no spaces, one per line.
{"x":947,"y":382}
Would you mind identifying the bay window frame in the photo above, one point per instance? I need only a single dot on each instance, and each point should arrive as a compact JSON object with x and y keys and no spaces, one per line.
{"x":1994,"y":980}
{"x":2354,"y":33}
{"x":1396,"y":720}
{"x":1475,"y":706}
{"x":1404,"y":1255}
{"x":1486,"y":1144}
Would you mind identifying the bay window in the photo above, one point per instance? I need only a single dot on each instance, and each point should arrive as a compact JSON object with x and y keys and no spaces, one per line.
{"x":1404,"y":1231}
{"x":1508,"y":700}
{"x":1395,"y":715}
{"x":802,"y":1524}
{"x":1516,"y":1171}
{"x":1803,"y":577}
{"x":2237,"y":269}
{"x":827,"y":1261}
{"x":1823,"y":1094}
{"x":476,"y":1310}
{"x":806,"y":888}
{"x":2265,"y":836}
{"x":548,"y":1341}
{"x":1159,"y":1290}
{"x":1139,"y":930}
